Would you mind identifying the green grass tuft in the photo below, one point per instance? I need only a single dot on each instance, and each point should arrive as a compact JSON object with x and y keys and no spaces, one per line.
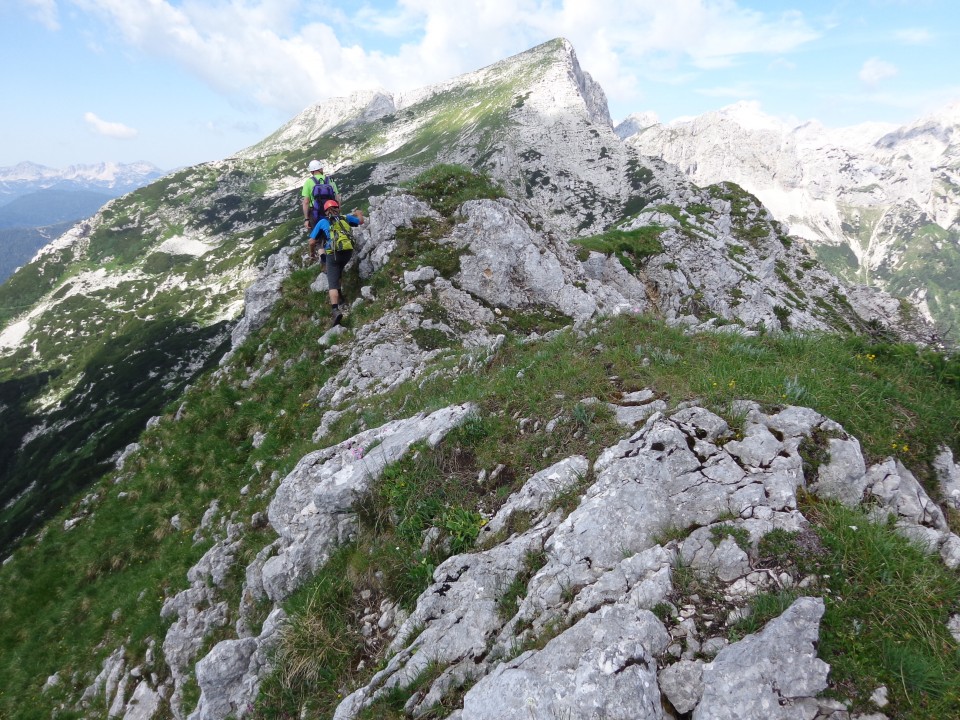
{"x":631,"y":247}
{"x":446,"y":187}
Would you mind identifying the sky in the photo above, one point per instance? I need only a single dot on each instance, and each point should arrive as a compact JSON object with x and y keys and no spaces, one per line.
{"x":180,"y":82}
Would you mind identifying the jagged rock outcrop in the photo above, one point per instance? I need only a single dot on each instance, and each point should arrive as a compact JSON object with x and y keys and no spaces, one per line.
{"x":260,"y":297}
{"x":677,"y":471}
{"x":312,"y":511}
{"x":602,"y":572}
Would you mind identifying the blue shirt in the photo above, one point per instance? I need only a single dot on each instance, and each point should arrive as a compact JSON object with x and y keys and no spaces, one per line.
{"x":324,"y":225}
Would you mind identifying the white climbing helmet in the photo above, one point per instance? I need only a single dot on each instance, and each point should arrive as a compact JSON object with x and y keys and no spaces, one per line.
{"x":315,"y":165}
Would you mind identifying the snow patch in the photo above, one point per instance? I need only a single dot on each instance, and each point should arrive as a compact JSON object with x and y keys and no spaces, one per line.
{"x":180,"y":245}
{"x":13,"y":334}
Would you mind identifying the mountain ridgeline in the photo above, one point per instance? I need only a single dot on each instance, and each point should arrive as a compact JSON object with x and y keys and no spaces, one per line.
{"x":113,"y":319}
{"x":879,"y":204}
{"x":582,"y":414}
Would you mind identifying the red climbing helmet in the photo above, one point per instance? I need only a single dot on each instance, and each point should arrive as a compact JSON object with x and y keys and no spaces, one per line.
{"x":331,"y":205}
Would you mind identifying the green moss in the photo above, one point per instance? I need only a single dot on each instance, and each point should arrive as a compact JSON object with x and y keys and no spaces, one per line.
{"x":739,"y":534}
{"x":430,"y":338}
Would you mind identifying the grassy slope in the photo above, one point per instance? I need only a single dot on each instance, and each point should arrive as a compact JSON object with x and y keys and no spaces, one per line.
{"x":105,"y":360}
{"x":68,"y":597}
{"x":927,"y":258}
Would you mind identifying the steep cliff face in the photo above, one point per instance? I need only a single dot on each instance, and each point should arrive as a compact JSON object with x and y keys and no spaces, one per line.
{"x":861,"y":196}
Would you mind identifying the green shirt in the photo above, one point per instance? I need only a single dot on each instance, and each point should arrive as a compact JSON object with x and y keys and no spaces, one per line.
{"x":308,"y":184}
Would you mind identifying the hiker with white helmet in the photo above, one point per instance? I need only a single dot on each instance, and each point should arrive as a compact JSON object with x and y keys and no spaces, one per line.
{"x":335,"y":229}
{"x":317,"y":189}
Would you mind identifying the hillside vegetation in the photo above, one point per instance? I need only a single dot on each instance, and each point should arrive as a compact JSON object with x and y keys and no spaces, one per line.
{"x":69,"y":596}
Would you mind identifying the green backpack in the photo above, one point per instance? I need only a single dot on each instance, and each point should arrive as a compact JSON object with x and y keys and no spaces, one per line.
{"x":340,"y":238}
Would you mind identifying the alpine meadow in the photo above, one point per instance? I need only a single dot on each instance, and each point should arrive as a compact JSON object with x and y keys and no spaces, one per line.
{"x":591,"y":441}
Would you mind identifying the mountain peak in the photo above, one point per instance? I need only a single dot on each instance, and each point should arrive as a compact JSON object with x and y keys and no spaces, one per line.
{"x":551,"y":67}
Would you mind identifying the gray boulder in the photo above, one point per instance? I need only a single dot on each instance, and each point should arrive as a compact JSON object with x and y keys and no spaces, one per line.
{"x":603,"y":666}
{"x":773,"y":675}
{"x":312,"y":507}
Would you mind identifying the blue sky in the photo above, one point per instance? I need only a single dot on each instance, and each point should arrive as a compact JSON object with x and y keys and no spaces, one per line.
{"x":178,"y":82}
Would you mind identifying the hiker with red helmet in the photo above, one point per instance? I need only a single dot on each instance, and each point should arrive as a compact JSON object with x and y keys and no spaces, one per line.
{"x":337,"y":249}
{"x":317,"y":189}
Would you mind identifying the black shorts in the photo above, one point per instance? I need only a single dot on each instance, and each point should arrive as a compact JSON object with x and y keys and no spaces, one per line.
{"x":335,"y":264}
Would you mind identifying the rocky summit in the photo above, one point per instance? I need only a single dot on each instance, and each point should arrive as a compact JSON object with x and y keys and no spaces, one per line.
{"x":567,"y":456}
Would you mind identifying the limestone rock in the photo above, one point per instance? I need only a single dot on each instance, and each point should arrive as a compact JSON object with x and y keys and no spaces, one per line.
{"x":603,"y":666}
{"x":773,"y":674}
{"x":260,"y":297}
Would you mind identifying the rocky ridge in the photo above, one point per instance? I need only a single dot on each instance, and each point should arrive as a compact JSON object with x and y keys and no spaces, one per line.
{"x":599,"y":576}
{"x":602,"y":575}
{"x":723,"y":265}
{"x":162,"y":271}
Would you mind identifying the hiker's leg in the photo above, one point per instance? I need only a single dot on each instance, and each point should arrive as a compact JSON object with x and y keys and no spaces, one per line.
{"x":334,"y":270}
{"x":334,"y":276}
{"x":343,"y":259}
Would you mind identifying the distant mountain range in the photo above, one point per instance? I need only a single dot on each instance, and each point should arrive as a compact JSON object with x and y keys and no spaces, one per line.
{"x":109,"y":178}
{"x":38,"y":204}
{"x":879,"y":204}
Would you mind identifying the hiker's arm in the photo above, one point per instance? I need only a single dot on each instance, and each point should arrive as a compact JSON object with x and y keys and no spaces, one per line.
{"x":321,"y":227}
{"x":305,"y":203}
{"x":359,"y":216}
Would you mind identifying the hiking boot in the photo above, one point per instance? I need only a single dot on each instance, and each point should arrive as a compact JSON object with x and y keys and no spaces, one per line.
{"x":336,"y":315}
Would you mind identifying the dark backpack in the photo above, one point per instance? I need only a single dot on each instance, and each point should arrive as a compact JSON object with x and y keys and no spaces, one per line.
{"x":322,"y":191}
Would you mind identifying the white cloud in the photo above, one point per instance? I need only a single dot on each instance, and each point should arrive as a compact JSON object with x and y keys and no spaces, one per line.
{"x":914,"y":36}
{"x":288,"y":54}
{"x":874,"y":71}
{"x":45,"y":11}
{"x":109,"y":129}
{"x":742,"y":90}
